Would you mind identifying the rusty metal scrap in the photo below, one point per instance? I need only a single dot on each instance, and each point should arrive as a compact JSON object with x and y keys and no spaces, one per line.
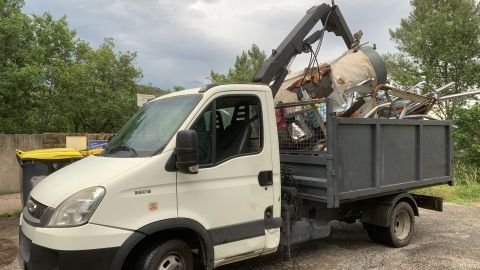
{"x":301,"y":109}
{"x":403,"y":94}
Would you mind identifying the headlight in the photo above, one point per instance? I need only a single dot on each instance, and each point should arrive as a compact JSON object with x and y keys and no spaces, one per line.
{"x":78,"y":208}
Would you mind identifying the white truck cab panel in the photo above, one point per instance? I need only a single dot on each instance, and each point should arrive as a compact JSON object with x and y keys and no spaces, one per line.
{"x":234,"y":198}
{"x":139,"y":197}
{"x":227,"y":195}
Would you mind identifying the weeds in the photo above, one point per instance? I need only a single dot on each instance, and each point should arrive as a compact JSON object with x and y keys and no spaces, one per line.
{"x":466,"y":189}
{"x":466,"y":174}
{"x":14,"y":214}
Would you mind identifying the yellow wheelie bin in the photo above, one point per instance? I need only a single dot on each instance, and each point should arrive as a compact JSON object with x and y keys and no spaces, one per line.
{"x":38,"y":164}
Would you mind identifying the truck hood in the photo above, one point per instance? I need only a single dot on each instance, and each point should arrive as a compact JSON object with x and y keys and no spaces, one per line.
{"x":88,"y":172}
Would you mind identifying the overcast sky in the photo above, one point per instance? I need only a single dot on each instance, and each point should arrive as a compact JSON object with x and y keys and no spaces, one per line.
{"x":179,"y":42}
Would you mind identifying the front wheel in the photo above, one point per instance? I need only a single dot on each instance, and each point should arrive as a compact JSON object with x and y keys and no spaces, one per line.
{"x":170,"y":255}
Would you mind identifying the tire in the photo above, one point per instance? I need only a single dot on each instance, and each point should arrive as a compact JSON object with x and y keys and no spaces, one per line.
{"x":402,"y":225}
{"x":170,"y":255}
{"x":375,"y":232}
{"x":400,"y":231}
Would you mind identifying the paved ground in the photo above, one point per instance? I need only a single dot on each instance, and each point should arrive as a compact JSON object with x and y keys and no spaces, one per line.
{"x":9,"y":203}
{"x":449,"y":240}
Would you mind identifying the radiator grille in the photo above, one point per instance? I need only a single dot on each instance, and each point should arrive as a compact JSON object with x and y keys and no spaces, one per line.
{"x":35,"y":208}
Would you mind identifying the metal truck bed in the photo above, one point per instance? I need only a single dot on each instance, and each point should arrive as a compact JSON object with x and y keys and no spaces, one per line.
{"x":371,"y":157}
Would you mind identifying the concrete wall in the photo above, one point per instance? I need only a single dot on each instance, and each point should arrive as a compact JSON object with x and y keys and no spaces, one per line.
{"x":9,"y":168}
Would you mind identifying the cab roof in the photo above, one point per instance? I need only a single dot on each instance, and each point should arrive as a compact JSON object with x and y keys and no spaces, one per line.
{"x":216,"y":88}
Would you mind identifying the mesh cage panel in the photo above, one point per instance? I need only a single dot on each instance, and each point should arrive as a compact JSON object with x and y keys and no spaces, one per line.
{"x":302,"y":126}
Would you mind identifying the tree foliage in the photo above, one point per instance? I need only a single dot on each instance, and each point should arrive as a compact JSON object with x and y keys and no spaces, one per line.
{"x":52,"y":81}
{"x":245,"y":67}
{"x":151,"y":90}
{"x":467,"y":134}
{"x":438,"y":42}
{"x":177,"y":88}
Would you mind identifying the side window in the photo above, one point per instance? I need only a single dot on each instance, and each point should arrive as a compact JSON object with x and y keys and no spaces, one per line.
{"x":237,"y":129}
{"x":203,"y":127}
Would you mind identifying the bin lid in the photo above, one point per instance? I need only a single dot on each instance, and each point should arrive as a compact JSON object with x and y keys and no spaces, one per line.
{"x":52,"y":153}
{"x":91,"y":152}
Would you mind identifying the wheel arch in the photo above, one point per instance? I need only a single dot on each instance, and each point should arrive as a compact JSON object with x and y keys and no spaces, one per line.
{"x":378,"y":211}
{"x":175,"y":228}
{"x":408,"y":198}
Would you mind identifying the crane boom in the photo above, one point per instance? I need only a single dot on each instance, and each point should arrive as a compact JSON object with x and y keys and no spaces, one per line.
{"x":274,"y":69}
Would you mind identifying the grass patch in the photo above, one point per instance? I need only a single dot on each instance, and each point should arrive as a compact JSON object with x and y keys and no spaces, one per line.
{"x":466,"y":189}
{"x":461,"y":194}
{"x":14,"y":214}
{"x":467,"y":174}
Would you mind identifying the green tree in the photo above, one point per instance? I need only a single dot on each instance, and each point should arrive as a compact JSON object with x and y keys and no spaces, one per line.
{"x":245,"y":67}
{"x":177,"y":88}
{"x":440,"y":42}
{"x":151,"y":90}
{"x":99,"y":91}
{"x":52,"y":81}
{"x":18,"y":72}
{"x":53,"y":55}
{"x":467,"y":134}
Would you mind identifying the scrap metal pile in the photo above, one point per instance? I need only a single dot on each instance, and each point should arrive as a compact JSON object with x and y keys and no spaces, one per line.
{"x":354,"y":83}
{"x":357,"y":84}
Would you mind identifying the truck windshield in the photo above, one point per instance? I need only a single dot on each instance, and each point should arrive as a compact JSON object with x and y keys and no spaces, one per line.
{"x":148,"y":131}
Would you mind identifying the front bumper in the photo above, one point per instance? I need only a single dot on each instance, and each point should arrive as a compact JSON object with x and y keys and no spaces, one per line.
{"x":85,"y":247}
{"x":35,"y":257}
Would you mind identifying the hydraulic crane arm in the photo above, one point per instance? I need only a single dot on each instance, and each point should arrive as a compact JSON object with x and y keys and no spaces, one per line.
{"x":274,"y":69}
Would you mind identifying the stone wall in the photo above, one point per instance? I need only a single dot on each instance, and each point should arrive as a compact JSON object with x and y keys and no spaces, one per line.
{"x":9,"y":168}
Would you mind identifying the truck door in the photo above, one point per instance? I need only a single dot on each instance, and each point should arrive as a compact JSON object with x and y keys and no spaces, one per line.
{"x":232,"y":193}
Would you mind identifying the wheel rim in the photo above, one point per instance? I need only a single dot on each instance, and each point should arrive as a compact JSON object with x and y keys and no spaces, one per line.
{"x":402,"y":225}
{"x":171,"y":262}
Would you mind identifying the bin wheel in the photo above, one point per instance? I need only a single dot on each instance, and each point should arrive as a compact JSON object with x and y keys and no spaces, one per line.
{"x":170,"y":255}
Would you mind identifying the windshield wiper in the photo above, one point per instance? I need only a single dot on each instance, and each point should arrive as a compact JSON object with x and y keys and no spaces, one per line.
{"x":123,"y":147}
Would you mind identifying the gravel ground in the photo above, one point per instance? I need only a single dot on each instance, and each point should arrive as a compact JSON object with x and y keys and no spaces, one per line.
{"x":8,"y":244}
{"x":448,"y":240}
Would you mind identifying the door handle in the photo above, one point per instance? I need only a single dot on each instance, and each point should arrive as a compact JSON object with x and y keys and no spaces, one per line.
{"x":265,"y":178}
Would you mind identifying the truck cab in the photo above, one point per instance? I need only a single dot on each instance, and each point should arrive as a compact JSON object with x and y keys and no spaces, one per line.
{"x":193,"y":177}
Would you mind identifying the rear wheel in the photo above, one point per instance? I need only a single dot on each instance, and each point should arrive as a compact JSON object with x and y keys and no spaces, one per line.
{"x":402,"y":225}
{"x":400,"y":231}
{"x":375,"y":232}
{"x":170,"y":255}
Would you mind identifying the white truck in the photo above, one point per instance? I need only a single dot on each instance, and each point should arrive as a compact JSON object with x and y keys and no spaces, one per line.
{"x":197,"y":179}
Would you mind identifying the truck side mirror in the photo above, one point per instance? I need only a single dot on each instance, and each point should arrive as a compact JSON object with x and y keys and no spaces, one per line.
{"x":186,"y":151}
